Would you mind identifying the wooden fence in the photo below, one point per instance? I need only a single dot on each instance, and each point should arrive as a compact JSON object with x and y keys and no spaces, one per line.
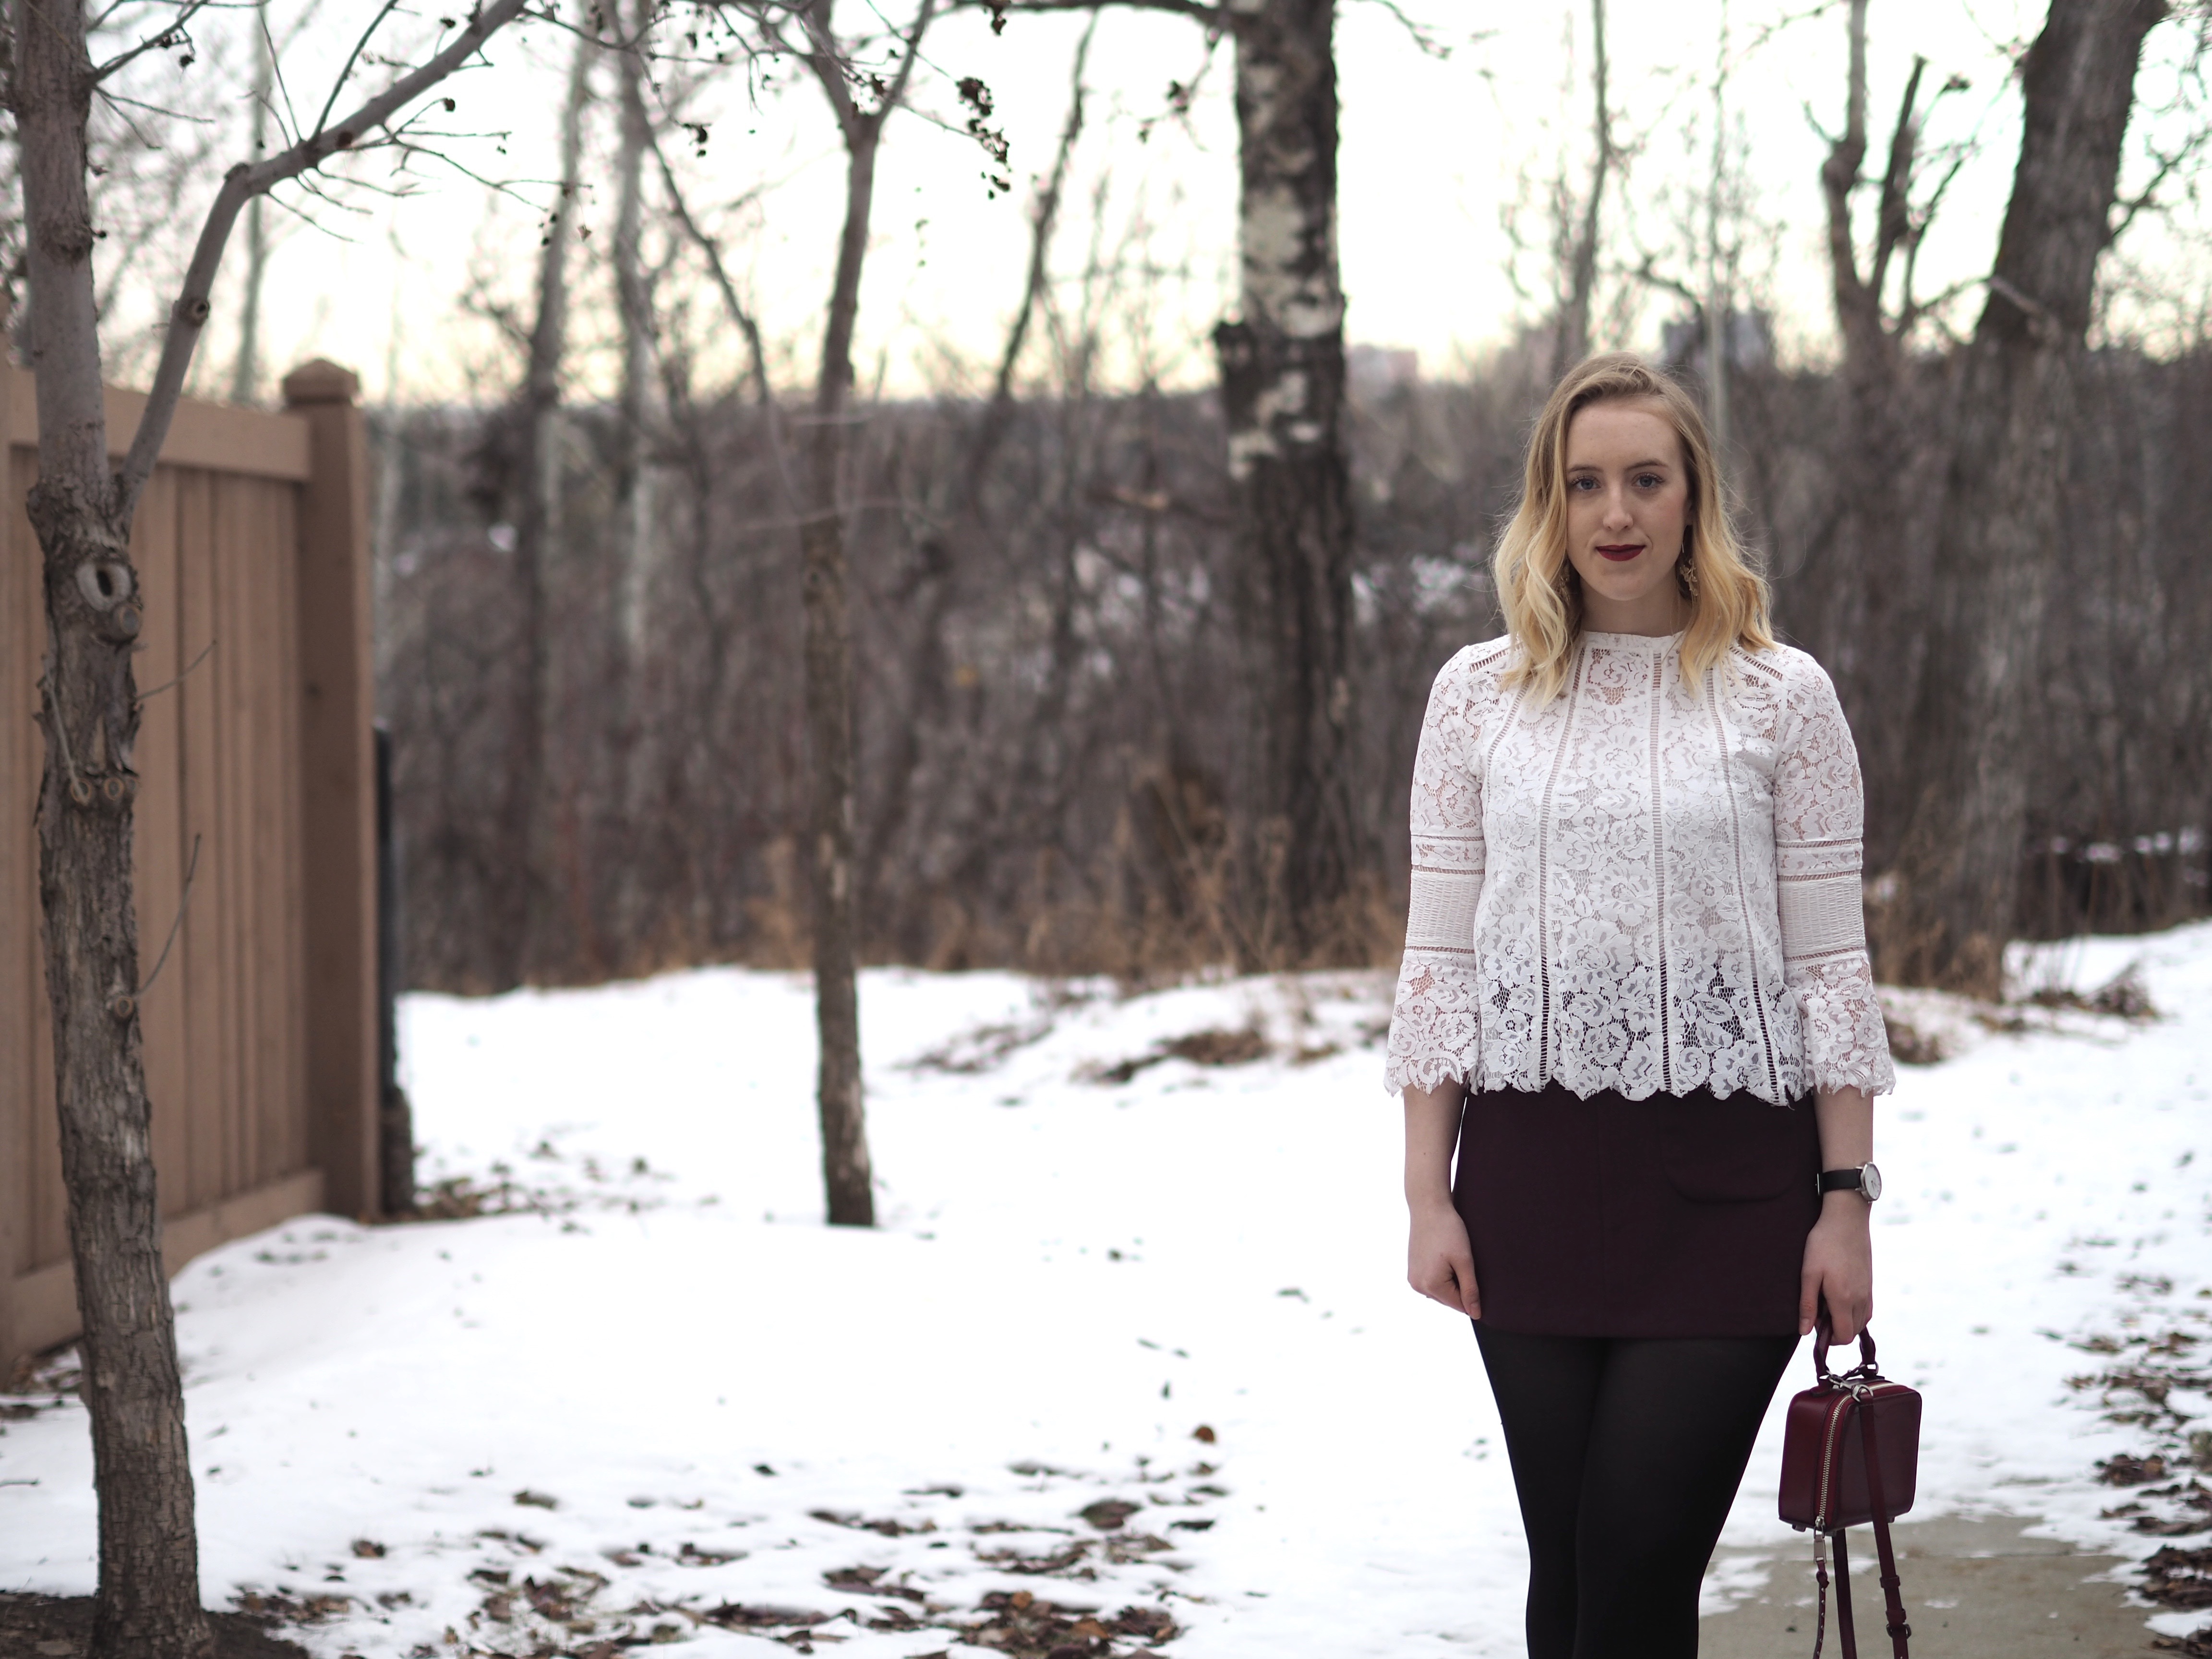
{"x":255,"y":834}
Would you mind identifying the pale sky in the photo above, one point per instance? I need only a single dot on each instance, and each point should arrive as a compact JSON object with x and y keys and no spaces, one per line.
{"x":1431,"y":150}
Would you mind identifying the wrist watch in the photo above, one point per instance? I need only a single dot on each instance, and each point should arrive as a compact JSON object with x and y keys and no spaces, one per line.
{"x":1864,"y":1180}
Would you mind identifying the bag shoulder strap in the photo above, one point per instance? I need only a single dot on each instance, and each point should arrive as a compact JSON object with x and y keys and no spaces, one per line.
{"x":1892,"y":1600}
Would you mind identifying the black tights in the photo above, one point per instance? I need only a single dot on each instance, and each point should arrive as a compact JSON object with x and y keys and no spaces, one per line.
{"x":1627,"y":1453}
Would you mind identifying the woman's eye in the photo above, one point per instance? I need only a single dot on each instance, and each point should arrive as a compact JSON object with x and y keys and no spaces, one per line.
{"x":1648,"y":481}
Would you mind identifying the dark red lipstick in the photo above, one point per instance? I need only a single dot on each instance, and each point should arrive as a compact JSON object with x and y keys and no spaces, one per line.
{"x":1617,"y":552}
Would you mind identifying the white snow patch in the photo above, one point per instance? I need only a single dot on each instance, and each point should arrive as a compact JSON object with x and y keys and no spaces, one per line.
{"x":1072,"y":1275}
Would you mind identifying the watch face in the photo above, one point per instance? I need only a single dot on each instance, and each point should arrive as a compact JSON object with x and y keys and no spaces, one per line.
{"x":1870,"y":1182}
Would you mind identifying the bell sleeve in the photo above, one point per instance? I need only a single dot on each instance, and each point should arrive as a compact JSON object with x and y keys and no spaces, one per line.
{"x":1820,"y":812}
{"x":1436,"y":1029}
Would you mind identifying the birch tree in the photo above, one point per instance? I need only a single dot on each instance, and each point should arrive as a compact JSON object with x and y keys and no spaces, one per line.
{"x":1281,"y":360}
{"x":81,"y":509}
{"x":1282,"y":386}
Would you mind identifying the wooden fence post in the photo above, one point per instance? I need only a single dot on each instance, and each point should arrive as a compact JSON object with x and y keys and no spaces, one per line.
{"x":339,"y":785}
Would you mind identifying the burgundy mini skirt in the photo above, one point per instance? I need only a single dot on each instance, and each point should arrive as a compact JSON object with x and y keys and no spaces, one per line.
{"x":1677,"y":1215}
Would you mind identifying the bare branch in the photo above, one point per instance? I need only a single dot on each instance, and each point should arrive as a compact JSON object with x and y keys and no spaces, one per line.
{"x":1894,"y":215}
{"x":741,"y":316}
{"x":338,"y":81}
{"x":1424,"y":40}
{"x":1214,"y":17}
{"x":1000,"y":412}
{"x":2148,"y":196}
{"x":192,"y":870}
{"x":181,"y":678}
{"x":173,"y":35}
{"x":189,"y":315}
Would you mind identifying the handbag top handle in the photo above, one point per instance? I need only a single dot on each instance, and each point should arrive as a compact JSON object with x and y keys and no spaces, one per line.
{"x":1820,"y":1340}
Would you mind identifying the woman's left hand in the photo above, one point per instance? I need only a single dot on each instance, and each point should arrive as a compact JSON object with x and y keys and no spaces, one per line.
{"x":1839,"y":1268}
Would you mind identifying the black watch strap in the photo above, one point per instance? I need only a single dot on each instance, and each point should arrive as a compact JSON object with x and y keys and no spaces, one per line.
{"x":1853,"y":1180}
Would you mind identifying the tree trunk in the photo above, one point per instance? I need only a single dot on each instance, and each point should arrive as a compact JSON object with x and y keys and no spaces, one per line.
{"x":245,"y":373}
{"x":1571,"y":339}
{"x":1720,"y":284}
{"x":148,"y":1600}
{"x":633,"y":306}
{"x":525,"y":907}
{"x":1862,"y":582}
{"x":847,"y":1177}
{"x":1961,"y":861}
{"x":1282,"y":383}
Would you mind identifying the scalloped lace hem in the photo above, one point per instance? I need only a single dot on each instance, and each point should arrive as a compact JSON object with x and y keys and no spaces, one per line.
{"x":1424,"y":1074}
{"x":1399,"y":1075}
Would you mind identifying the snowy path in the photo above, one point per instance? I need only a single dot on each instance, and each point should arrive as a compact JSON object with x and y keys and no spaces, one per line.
{"x":628,"y":1419}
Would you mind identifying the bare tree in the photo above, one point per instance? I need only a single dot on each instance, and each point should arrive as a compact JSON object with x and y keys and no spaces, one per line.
{"x":81,"y":509}
{"x":246,"y":371}
{"x":526,"y":877}
{"x":1282,"y":369}
{"x":1866,"y":575}
{"x":1570,"y":341}
{"x":1282,"y":381}
{"x":862,"y":103}
{"x":1960,"y":868}
{"x":633,"y":308}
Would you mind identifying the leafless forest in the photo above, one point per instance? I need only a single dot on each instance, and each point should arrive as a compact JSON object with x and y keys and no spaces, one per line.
{"x":1132,"y":675}
{"x":1121,"y":701}
{"x":1050,"y":715}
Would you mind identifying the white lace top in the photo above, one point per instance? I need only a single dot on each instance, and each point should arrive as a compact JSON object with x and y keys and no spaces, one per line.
{"x":1637,"y":886}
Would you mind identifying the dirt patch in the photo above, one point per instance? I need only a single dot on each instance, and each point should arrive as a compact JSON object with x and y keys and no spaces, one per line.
{"x":60,"y":1627}
{"x":1213,"y":1046}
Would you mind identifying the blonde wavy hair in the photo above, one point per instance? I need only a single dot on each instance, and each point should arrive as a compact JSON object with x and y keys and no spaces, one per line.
{"x":1537,"y":587}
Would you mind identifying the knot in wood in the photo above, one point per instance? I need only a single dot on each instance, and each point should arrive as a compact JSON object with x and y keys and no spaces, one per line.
{"x":194,"y":309}
{"x":121,"y":1007}
{"x":123,"y":622}
{"x":80,"y":791}
{"x":105,"y":584}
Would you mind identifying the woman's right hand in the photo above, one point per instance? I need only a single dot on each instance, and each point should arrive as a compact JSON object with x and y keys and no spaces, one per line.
{"x":1439,"y":1263}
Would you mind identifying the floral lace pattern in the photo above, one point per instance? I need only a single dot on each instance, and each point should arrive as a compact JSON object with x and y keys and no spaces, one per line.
{"x":1643,"y":885}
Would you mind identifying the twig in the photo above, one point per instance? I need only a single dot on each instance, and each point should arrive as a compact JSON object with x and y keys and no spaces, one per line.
{"x":1213,"y":17}
{"x":173,"y":35}
{"x":190,"y":870}
{"x":747,"y":324}
{"x":179,"y":679}
{"x":1428,"y":44}
{"x":79,"y":790}
{"x":359,"y":46}
{"x":189,"y":315}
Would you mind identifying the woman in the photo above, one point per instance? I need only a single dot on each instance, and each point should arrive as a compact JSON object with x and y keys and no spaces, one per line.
{"x":1636,"y":996}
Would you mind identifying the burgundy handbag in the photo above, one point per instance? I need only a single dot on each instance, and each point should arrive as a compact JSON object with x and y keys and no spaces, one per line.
{"x":1851,"y":1452}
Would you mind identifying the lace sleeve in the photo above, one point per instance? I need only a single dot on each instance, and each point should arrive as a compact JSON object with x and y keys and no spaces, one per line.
{"x":1820,"y":811}
{"x":1435,"y":1023}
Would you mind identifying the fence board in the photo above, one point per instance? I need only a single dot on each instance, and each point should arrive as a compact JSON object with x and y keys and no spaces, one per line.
{"x":239,"y":1095}
{"x":289,"y":974}
{"x":212,"y":1085}
{"x":158,"y":823}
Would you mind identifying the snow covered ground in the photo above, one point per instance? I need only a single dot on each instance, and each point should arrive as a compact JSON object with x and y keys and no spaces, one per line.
{"x":1134,"y":1336}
